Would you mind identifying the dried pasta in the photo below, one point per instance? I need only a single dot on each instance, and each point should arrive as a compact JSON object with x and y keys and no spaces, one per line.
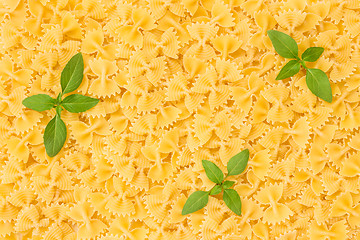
{"x":178,"y":82}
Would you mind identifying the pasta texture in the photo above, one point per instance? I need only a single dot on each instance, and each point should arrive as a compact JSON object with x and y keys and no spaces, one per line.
{"x":178,"y":82}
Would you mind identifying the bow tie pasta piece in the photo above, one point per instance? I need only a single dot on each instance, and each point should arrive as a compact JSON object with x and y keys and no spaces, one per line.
{"x":70,"y":26}
{"x":270,"y":195}
{"x":167,"y":116}
{"x":140,"y":19}
{"x":167,"y":44}
{"x":202,"y":33}
{"x":91,"y":8}
{"x":160,"y":170}
{"x":5,"y":128}
{"x":94,"y":41}
{"x":243,"y":96}
{"x":171,"y":20}
{"x":153,"y":68}
{"x":178,"y":89}
{"x":260,"y":164}
{"x":229,"y":149}
{"x":11,"y":103}
{"x":250,"y":210}
{"x":103,"y":85}
{"x":209,"y":83}
{"x":76,"y":161}
{"x":344,"y":205}
{"x":279,"y":111}
{"x":15,"y":171}
{"x":159,"y":8}
{"x":266,"y":21}
{"x":17,"y":145}
{"x":194,"y":66}
{"x":221,"y":15}
{"x":121,"y":227}
{"x":83,"y":133}
{"x":46,"y":187}
{"x":161,"y":200}
{"x":90,"y":227}
{"x":226,"y":44}
{"x":8,"y":211}
{"x":204,"y":127}
{"x":213,"y":229}
{"x":334,"y":182}
{"x":336,"y":231}
{"x":27,"y":121}
{"x":18,"y":78}
{"x":350,"y":167}
{"x":300,"y":132}
{"x":30,"y":218}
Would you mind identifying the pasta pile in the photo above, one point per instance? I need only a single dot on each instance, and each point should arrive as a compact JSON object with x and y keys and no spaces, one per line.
{"x":179,"y":81}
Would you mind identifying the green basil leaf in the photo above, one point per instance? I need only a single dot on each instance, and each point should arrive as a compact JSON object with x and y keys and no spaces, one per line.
{"x":312,"y":54}
{"x":216,"y":190}
{"x":289,"y":70}
{"x":195,"y":202}
{"x":54,"y":135}
{"x":76,"y":103}
{"x":213,"y":172}
{"x":40,"y":102}
{"x":319,"y":84}
{"x":284,"y":45}
{"x":72,"y":74}
{"x":232,"y":200}
{"x":227,"y":184}
{"x":237,"y":163}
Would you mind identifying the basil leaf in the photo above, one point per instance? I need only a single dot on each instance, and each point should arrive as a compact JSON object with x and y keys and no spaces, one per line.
{"x":237,"y":163}
{"x":40,"y":102}
{"x":232,"y":200}
{"x":312,"y":54}
{"x":289,"y":70}
{"x":216,"y":190}
{"x":284,"y":45}
{"x":213,"y":172}
{"x":319,"y":84}
{"x":227,"y":184}
{"x":76,"y":103}
{"x":55,"y":135}
{"x":72,"y":74}
{"x":195,"y":202}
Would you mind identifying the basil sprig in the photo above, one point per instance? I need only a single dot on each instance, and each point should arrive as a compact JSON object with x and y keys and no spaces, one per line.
{"x":316,"y":80}
{"x":55,"y":131}
{"x":199,"y":199}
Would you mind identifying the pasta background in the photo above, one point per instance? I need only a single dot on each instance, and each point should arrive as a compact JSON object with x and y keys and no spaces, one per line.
{"x":178,"y":82}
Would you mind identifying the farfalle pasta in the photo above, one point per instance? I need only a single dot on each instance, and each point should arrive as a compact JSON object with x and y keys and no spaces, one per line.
{"x":179,"y":82}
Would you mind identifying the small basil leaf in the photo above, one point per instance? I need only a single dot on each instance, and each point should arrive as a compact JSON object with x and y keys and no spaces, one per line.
{"x":76,"y":103}
{"x":195,"y":202}
{"x":213,"y":172}
{"x":237,"y":163}
{"x":227,"y":184}
{"x":40,"y":102}
{"x":312,"y":54}
{"x":72,"y":74}
{"x":232,"y":200}
{"x":289,"y":70}
{"x":319,"y":84}
{"x":284,"y":45}
{"x":216,"y":190}
{"x":54,"y":135}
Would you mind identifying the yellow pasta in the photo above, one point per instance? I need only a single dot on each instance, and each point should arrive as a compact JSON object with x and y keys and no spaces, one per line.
{"x":179,"y":82}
